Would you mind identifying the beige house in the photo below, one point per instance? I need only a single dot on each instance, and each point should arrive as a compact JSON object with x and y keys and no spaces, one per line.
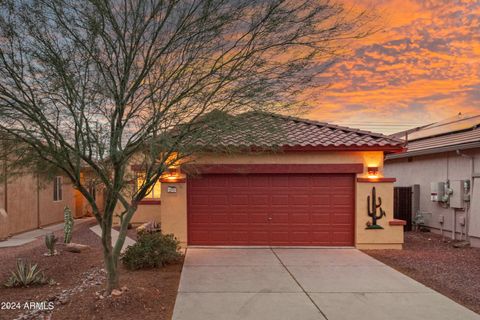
{"x":442,"y":162}
{"x":314,"y":190}
{"x":28,"y":202}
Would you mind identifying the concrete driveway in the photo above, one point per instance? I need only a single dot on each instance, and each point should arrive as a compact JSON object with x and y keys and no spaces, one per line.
{"x":302,"y":284}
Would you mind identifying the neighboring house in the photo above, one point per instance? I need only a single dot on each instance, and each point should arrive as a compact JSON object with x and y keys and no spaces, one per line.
{"x":312,"y":191}
{"x":30,"y":202}
{"x":443,"y":160}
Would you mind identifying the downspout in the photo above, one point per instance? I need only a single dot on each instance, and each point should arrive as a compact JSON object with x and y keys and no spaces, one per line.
{"x":469,"y":206}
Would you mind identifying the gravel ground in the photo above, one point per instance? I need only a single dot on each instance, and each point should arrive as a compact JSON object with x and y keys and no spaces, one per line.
{"x":149,"y":294}
{"x":454,"y":272}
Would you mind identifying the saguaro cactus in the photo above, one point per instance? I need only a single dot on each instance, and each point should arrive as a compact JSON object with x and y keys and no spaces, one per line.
{"x":68,"y":226}
{"x":372,"y":210}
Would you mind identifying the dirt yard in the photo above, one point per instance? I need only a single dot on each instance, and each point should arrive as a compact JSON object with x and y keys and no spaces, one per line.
{"x":427,"y":259}
{"x":149,"y":294}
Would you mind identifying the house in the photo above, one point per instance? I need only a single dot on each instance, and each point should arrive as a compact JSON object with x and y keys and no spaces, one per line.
{"x":306,"y":183}
{"x":29,"y":201}
{"x":442,"y":161}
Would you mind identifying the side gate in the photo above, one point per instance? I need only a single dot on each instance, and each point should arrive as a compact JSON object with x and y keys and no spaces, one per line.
{"x":402,"y":205}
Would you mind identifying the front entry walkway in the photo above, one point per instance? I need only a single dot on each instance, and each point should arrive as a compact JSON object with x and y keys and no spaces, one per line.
{"x":279,"y":284}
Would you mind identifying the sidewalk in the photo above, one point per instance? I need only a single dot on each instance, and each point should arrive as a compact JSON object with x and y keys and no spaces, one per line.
{"x":29,"y":236}
{"x":128,"y":241}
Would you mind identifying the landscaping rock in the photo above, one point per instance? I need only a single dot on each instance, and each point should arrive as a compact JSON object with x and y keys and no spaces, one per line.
{"x":76,"y":247}
{"x":461,"y":244}
{"x":116,"y":292}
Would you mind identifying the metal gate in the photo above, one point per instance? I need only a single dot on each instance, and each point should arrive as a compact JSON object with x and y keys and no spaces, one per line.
{"x":402,"y":205}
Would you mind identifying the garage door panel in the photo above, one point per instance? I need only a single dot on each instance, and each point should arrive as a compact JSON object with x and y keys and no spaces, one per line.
{"x":239,"y":218}
{"x":298,"y":199}
{"x":279,"y":200}
{"x":258,"y":217}
{"x":320,"y":218}
{"x":239,"y":237}
{"x":280,"y":181}
{"x":268,"y":209}
{"x":259,"y":199}
{"x":238,"y":199}
{"x":220,"y":218}
{"x":298,"y":181}
{"x":320,"y":199}
{"x":240,"y":181}
{"x":218,"y":200}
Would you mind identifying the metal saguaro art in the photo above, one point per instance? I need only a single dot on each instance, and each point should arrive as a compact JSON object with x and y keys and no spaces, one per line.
{"x":372,"y":210}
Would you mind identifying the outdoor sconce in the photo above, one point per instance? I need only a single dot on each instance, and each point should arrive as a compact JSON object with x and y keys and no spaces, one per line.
{"x":173,"y":172}
{"x":372,"y":172}
{"x":172,"y":175}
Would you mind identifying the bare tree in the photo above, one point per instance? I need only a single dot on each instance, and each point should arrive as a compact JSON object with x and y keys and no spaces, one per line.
{"x":99,"y":84}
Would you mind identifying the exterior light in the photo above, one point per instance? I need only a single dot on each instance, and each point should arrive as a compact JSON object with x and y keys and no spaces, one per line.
{"x":372,"y":172}
{"x":173,"y":172}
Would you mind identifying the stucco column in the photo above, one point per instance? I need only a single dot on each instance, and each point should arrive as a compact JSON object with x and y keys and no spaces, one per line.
{"x":391,"y":236}
{"x":174,"y":210}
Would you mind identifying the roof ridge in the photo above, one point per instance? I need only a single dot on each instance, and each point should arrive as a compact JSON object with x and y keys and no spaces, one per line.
{"x":328,"y":125}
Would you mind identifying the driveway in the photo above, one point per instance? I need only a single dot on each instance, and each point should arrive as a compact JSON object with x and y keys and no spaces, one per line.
{"x":218,"y":283}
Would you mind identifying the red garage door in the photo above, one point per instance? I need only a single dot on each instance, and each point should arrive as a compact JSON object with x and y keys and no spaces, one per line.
{"x":271,"y":209}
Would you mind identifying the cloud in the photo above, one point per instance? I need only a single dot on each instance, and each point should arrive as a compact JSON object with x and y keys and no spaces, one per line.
{"x":422,"y":68}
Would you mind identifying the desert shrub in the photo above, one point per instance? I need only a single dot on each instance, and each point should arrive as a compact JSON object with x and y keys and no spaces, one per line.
{"x":50,"y":241}
{"x":152,"y":250}
{"x":25,"y":275}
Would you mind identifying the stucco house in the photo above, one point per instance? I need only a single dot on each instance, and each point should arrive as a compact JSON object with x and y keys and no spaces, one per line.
{"x":306,"y":183}
{"x":442,"y":161}
{"x":29,"y":201}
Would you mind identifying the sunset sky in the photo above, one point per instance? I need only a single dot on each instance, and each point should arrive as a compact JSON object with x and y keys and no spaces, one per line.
{"x":424,"y":66}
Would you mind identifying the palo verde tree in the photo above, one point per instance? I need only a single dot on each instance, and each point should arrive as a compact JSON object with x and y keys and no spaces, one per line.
{"x":96,"y":85}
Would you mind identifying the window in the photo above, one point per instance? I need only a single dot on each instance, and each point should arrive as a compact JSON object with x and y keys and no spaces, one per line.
{"x":57,"y":189}
{"x":154,"y":192}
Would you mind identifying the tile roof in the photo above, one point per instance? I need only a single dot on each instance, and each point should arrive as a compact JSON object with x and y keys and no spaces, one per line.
{"x":260,"y":129}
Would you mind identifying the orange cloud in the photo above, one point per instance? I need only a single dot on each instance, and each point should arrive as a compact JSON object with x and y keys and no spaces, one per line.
{"x":423,"y":67}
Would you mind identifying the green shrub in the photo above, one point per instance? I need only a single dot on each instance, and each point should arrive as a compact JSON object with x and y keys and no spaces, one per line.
{"x":26,"y":275}
{"x":152,"y":250}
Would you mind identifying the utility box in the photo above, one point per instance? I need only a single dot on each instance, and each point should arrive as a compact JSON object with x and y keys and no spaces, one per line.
{"x":437,"y":191}
{"x":457,"y":199}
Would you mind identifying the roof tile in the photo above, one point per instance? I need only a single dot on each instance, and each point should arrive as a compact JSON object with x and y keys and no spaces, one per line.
{"x":255,"y":129}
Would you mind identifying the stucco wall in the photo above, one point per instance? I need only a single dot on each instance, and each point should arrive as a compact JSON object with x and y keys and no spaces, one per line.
{"x":423,"y":170}
{"x":52,"y":211}
{"x":30,"y":205}
{"x":390,"y":237}
{"x":174,"y":210}
{"x":22,"y":203}
{"x":174,"y":206}
{"x":148,"y":212}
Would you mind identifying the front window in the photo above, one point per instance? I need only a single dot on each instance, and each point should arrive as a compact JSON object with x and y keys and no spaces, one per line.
{"x":57,"y":189}
{"x":154,"y":192}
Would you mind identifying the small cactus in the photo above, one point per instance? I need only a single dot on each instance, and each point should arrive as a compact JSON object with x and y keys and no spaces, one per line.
{"x":372,"y":207}
{"x":68,"y":226}
{"x":50,"y":241}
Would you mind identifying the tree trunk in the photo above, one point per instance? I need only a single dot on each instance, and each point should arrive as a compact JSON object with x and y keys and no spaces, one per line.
{"x":110,"y":258}
{"x":111,"y":266}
